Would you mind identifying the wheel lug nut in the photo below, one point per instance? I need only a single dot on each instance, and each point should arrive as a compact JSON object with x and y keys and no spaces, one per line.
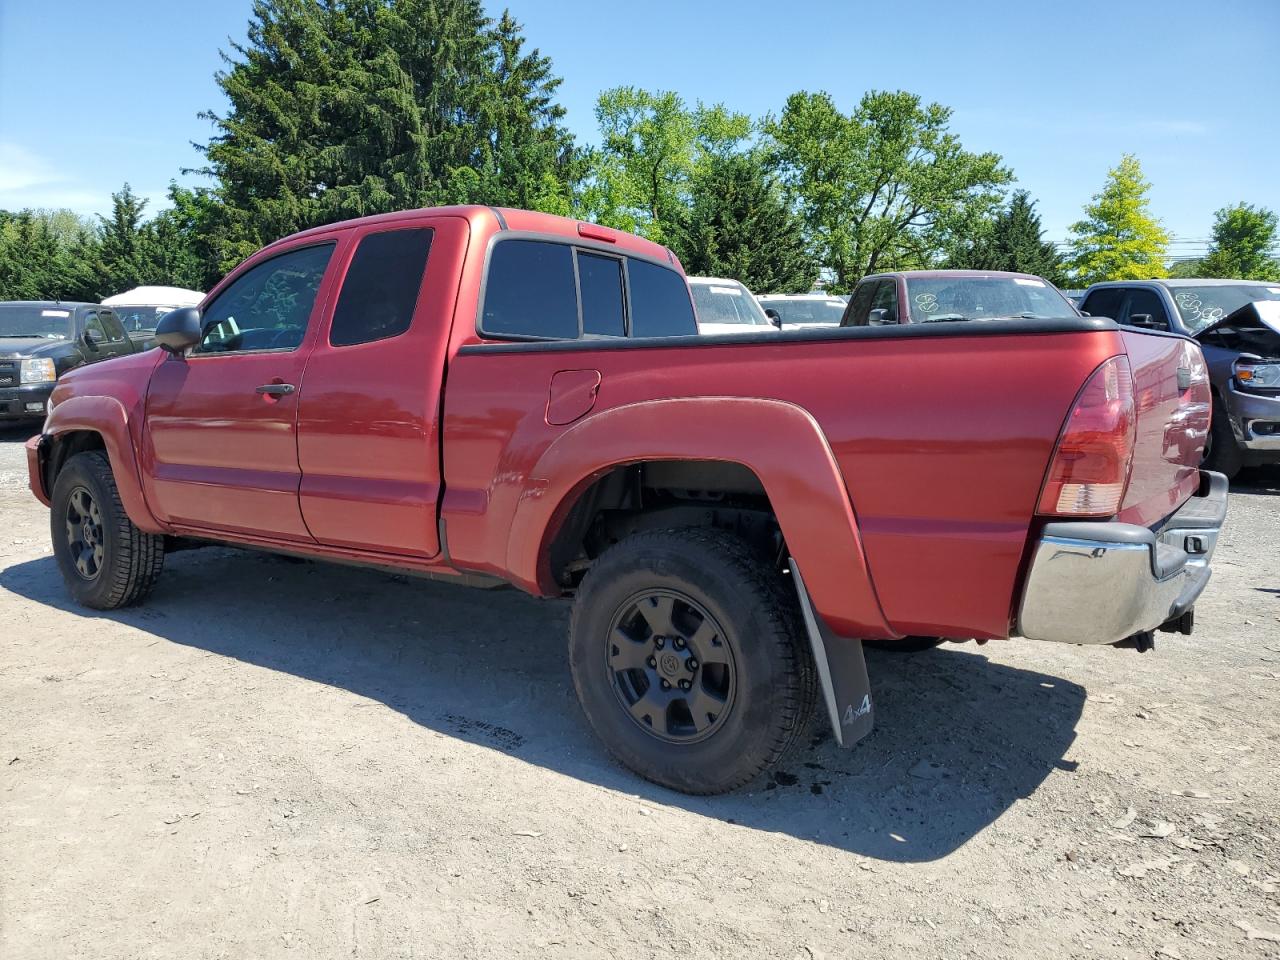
{"x":692,"y":664}
{"x":679,"y":641}
{"x":659,"y":642}
{"x":653,"y":662}
{"x":684,"y":684}
{"x":666,"y":685}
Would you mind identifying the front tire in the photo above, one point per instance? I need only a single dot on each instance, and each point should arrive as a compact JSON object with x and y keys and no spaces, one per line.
{"x":106,"y":561}
{"x":690,"y":660}
{"x":1223,"y":453}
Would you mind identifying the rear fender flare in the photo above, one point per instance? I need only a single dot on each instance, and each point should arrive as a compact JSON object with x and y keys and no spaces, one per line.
{"x":107,"y":417}
{"x":780,"y":442}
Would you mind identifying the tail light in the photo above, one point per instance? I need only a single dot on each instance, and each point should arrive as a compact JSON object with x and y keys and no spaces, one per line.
{"x":1090,"y":467}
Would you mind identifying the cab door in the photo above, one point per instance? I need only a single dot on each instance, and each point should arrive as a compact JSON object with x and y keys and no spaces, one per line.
{"x":221,"y":423}
{"x":369,"y":414}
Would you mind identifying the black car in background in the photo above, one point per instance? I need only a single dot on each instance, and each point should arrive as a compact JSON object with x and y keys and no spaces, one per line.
{"x":41,"y":340}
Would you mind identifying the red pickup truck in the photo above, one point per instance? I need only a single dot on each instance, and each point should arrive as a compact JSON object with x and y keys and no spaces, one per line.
{"x":499,"y":397}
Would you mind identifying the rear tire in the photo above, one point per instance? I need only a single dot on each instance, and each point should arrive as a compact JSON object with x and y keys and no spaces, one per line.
{"x":660,"y":600}
{"x":106,"y":561}
{"x":1223,"y":454}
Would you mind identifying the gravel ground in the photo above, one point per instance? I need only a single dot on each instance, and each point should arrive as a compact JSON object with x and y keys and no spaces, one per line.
{"x":288,"y":759}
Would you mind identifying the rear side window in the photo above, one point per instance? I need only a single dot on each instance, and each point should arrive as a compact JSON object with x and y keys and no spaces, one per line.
{"x":530,"y":291}
{"x":600,"y":279}
{"x":1104,"y":303}
{"x":660,"y":303}
{"x":381,"y":287}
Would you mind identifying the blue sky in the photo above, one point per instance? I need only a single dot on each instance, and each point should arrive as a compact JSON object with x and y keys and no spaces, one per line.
{"x":93,"y":93}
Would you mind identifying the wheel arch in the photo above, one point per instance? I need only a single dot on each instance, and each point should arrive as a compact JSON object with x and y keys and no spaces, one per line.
{"x":772,"y":443}
{"x":79,"y":424}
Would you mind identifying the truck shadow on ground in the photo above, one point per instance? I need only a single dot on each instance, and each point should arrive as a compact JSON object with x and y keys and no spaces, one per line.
{"x":958,"y":738}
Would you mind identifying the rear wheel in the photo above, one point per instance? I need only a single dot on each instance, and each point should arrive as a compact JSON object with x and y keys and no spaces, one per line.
{"x":106,"y":561}
{"x":1222,"y":453}
{"x":689,"y":659}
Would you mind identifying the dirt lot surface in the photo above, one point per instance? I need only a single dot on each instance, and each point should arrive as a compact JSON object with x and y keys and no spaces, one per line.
{"x":283,"y":759}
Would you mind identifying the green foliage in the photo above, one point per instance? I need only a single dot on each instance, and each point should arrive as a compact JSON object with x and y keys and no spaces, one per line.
{"x":739,"y":225}
{"x":1119,"y":239}
{"x":885,"y":187}
{"x":343,"y":108}
{"x":1186,"y":270}
{"x":1244,"y":239}
{"x":55,"y":255}
{"x":1013,"y":240}
{"x":654,"y":146}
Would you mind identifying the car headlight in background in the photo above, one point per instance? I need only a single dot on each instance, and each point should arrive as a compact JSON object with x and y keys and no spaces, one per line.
{"x":38,"y":371}
{"x":1257,"y":374}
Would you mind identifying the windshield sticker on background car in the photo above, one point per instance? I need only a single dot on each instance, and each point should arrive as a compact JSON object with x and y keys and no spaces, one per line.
{"x":731,"y":291}
{"x":55,"y":313}
{"x":1027,"y":282}
{"x":927,"y":302}
{"x":1194,"y":310}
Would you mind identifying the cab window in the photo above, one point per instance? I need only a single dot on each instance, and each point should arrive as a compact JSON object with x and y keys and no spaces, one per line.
{"x":269,"y":306}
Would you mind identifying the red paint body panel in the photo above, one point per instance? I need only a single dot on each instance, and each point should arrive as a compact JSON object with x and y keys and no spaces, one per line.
{"x":904,"y":472}
{"x":1173,"y":422}
{"x":368,"y":418}
{"x":942,"y":445}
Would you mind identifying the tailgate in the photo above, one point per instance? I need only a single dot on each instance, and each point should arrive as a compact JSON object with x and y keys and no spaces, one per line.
{"x":1172,"y":400}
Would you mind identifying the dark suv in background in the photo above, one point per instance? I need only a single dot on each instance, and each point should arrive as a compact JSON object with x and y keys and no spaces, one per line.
{"x":41,"y":340}
{"x":1237,"y":323}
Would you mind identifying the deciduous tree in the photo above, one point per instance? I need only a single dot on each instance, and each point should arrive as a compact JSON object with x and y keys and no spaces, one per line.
{"x":887,"y":186}
{"x":1244,"y":244}
{"x":1119,"y":239}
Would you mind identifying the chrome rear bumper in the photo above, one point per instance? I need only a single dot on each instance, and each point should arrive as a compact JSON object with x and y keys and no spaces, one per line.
{"x":1103,"y":582}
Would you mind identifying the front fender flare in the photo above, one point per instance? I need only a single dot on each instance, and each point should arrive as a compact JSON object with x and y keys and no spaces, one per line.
{"x":107,"y":417}
{"x":780,"y":442}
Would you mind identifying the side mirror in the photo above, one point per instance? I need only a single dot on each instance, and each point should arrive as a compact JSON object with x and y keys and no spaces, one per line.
{"x":774,"y":317}
{"x":179,"y":329}
{"x":879,"y":317}
{"x":92,"y":337}
{"x":1146,"y":320}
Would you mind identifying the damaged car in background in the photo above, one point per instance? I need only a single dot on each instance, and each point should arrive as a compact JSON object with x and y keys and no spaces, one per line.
{"x":1237,"y":323}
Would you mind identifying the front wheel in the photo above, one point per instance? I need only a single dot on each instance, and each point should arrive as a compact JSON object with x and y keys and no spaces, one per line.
{"x":689,"y":659}
{"x":1222,"y":452}
{"x":106,"y":561}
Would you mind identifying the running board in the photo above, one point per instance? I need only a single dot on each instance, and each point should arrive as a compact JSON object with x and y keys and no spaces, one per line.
{"x":842,"y":671}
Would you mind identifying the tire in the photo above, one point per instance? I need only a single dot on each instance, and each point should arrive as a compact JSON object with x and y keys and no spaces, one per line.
{"x":105,"y":560}
{"x":711,"y":596}
{"x":1223,"y":454}
{"x":905,"y":645}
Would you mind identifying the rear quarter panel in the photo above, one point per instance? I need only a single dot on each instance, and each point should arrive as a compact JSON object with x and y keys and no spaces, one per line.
{"x":942,"y":441}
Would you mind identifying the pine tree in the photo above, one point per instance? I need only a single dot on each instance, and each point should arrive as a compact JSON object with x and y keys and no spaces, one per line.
{"x":121,"y":257}
{"x":738,"y":225}
{"x":1244,"y":244}
{"x":1119,"y":239}
{"x":1014,"y":241}
{"x":342,"y":108}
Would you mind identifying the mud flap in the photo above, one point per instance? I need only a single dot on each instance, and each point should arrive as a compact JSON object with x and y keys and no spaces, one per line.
{"x":842,"y":672}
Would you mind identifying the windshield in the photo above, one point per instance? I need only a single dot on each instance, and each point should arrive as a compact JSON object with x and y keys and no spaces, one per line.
{"x":828,"y":311}
{"x":1201,"y":306}
{"x":36,"y":320}
{"x":984,"y":298}
{"x":727,"y":303}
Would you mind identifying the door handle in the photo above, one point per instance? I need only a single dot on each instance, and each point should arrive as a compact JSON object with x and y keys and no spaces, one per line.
{"x":276,"y":389}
